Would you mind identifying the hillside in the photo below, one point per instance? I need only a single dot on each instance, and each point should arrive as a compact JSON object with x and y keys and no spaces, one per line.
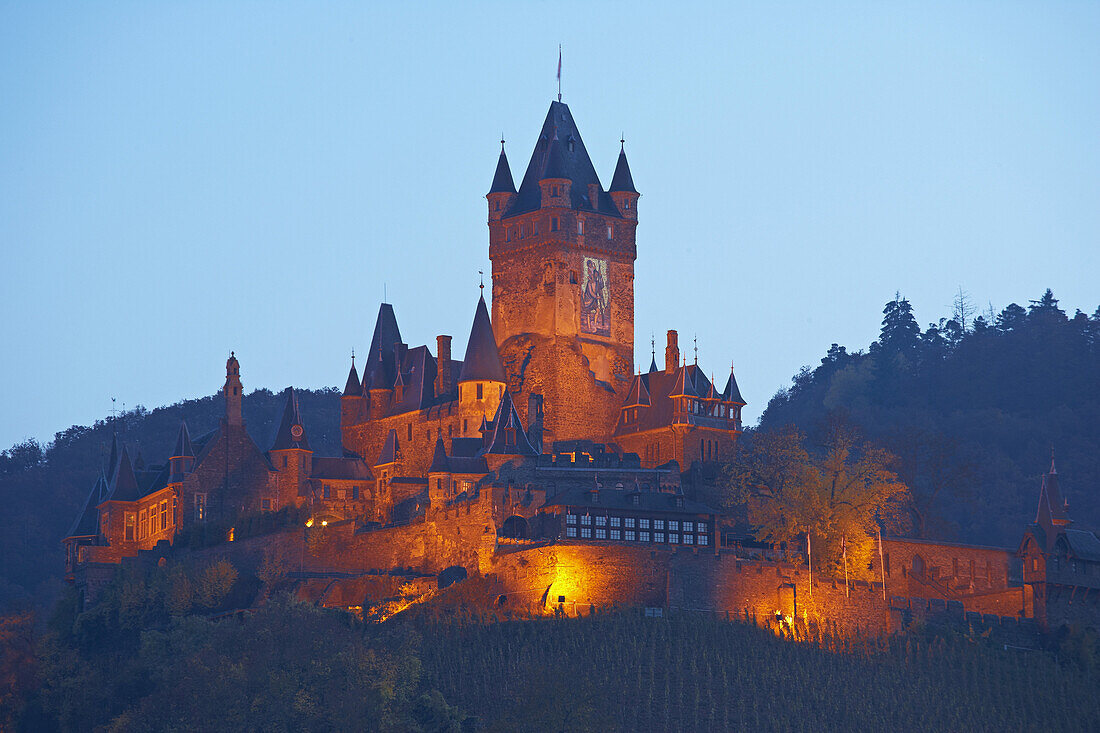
{"x":972,"y":408}
{"x":42,"y":488}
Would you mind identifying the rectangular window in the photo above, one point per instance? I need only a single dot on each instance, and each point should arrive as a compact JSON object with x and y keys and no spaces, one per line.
{"x":164,"y":515}
{"x":616,"y":534}
{"x":586,"y":532}
{"x":326,"y":491}
{"x":141,"y":525}
{"x":200,"y":507}
{"x":630,"y":535}
{"x":643,"y":536}
{"x":674,"y":539}
{"x":615,"y":521}
{"x":265,"y":505}
{"x":553,"y":223}
{"x":703,"y":540}
{"x":658,"y":524}
{"x":570,"y":518}
{"x":586,"y":519}
{"x":658,"y":536}
{"x":609,"y":232}
{"x":284,"y":461}
{"x":629,"y":521}
{"x":355,"y":491}
{"x":104,"y":523}
{"x":689,"y":527}
{"x":152,"y":520}
{"x":601,"y":534}
{"x":131,"y":527}
{"x":570,"y":531}
{"x":689,"y":539}
{"x":175,"y":512}
{"x":580,"y":226}
{"x":673,"y":525}
{"x":480,"y":391}
{"x":601,"y":521}
{"x":643,"y":524}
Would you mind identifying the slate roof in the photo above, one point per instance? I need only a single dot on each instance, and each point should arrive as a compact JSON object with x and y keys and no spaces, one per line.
{"x":125,"y":485}
{"x":183,"y":448}
{"x":285,"y":438}
{"x":1083,"y":544}
{"x":353,"y":387}
{"x":639,"y":393}
{"x":391,"y":450}
{"x":505,"y":434}
{"x":1052,"y":509}
{"x":439,"y":458}
{"x":622,"y":180}
{"x":731,"y":393}
{"x":112,"y":460}
{"x":482,"y":361}
{"x":560,"y":153}
{"x":87,"y":524}
{"x":502,"y":179}
{"x":341,"y":469}
{"x":381,"y":360}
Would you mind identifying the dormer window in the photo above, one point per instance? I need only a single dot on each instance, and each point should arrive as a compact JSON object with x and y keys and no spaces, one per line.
{"x":571,"y":142}
{"x":626,"y":203}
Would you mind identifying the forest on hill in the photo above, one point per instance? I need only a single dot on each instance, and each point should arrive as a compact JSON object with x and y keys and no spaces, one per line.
{"x":43,"y":487}
{"x":971,"y":407}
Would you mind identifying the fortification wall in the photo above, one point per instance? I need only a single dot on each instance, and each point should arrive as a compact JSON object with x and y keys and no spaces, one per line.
{"x":954,"y":566}
{"x":1068,"y":606}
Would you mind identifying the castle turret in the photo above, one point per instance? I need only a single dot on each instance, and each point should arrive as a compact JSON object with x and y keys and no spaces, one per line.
{"x":291,"y":455}
{"x":481,"y":383}
{"x":439,"y":476}
{"x":351,"y":401}
{"x":503,"y":191}
{"x":381,"y":368}
{"x":234,"y":391}
{"x":622,"y":189}
{"x":182,"y":459}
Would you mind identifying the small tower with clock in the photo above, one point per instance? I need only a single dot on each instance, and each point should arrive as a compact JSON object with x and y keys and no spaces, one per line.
{"x":290,"y":455}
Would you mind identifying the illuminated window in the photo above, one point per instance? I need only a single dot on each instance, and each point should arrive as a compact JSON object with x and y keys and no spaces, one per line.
{"x":200,"y":507}
{"x":570,"y":518}
{"x":629,"y":521}
{"x":643,"y":536}
{"x":689,"y":539}
{"x":643,"y":524}
{"x":175,"y":512}
{"x":609,"y":232}
{"x":580,"y":226}
{"x":658,"y":524}
{"x":601,"y":534}
{"x":586,"y":532}
{"x":658,"y":536}
{"x":688,"y":527}
{"x":601,"y":521}
{"x":626,"y":203}
{"x":616,"y":534}
{"x":703,"y":539}
{"x":570,"y":531}
{"x":130,"y":524}
{"x":615,"y":521}
{"x":674,"y":539}
{"x":586,"y":519}
{"x":673,"y":525}
{"x":630,"y":535}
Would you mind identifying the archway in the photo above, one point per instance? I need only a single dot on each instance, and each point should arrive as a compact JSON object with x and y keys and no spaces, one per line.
{"x":450,"y":576}
{"x":515,"y":528}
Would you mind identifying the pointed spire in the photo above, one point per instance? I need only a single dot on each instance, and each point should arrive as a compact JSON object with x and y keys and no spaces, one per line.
{"x":183,"y":447}
{"x":353,"y":388}
{"x":622,"y":180}
{"x":502,"y":179}
{"x":87,"y":524}
{"x":440,"y":464}
{"x":1052,"y":509}
{"x":482,"y":360}
{"x":639,"y":393}
{"x":125,"y":485}
{"x":292,"y":434}
{"x":381,"y":355}
{"x":681,"y":384}
{"x":391,"y":450}
{"x":731,"y":393}
{"x":507,"y":435}
{"x":112,"y":459}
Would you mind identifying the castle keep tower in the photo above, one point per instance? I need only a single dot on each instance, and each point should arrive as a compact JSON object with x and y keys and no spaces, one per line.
{"x":563,"y":252}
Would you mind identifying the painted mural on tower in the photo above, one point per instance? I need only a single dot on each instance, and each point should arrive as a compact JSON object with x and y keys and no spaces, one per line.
{"x":595,"y":316}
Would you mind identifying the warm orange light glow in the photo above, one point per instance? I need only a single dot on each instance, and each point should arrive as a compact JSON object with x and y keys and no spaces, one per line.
{"x":232,"y":533}
{"x":309,"y":522}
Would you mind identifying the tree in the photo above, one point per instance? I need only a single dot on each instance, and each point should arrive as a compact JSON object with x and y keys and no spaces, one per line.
{"x":1047,"y":305}
{"x":1011,"y":318}
{"x":900,"y":333}
{"x":215,"y":582}
{"x":962,"y":309}
{"x":845,"y":488}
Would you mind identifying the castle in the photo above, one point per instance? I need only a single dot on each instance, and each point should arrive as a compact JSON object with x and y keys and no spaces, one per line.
{"x":542,"y":457}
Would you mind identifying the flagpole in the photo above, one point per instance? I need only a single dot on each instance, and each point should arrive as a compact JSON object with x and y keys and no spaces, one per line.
{"x":810,"y":565}
{"x":559,"y":72}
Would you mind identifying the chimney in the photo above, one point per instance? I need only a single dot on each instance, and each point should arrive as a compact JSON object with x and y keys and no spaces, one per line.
{"x":672,"y":353}
{"x":534,"y":421}
{"x":443,"y":365}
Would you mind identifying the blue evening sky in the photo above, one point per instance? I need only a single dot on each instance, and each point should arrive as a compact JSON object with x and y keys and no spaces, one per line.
{"x":179,"y":179}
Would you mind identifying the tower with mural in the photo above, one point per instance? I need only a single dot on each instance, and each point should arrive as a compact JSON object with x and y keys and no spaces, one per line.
{"x":563,"y":251}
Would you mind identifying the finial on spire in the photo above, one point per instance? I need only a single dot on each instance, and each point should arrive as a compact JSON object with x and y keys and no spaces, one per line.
{"x":695,"y":340}
{"x":1052,"y":468}
{"x":353,"y":357}
{"x":481,"y":276}
{"x":559,"y":72}
{"x":502,"y":142}
{"x":652,"y":346}
{"x":622,"y":141}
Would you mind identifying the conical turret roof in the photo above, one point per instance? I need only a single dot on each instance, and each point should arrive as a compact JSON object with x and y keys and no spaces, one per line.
{"x":507,"y":435}
{"x":731,"y":393}
{"x":183,"y":447}
{"x":112,"y":458}
{"x":502,"y":179}
{"x":125,"y":485}
{"x":482,"y":360}
{"x":652,"y":364}
{"x":292,"y":433}
{"x":681,"y":385}
{"x":440,"y":464}
{"x":381,"y":354}
{"x":622,"y":180}
{"x":353,"y":387}
{"x":639,"y":393}
{"x":86,"y":524}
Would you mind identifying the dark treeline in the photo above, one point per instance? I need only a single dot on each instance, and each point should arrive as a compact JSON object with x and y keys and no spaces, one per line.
{"x":43,"y":487}
{"x":971,"y":407}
